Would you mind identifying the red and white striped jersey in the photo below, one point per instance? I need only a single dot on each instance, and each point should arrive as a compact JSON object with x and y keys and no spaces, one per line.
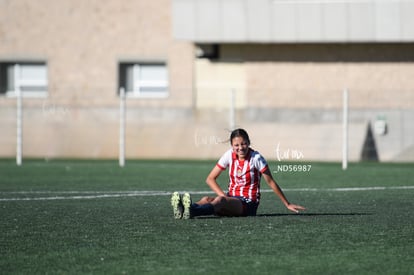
{"x":244,"y":175}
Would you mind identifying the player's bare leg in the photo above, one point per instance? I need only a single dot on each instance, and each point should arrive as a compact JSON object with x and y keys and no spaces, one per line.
{"x":227,"y":206}
{"x":205,"y":200}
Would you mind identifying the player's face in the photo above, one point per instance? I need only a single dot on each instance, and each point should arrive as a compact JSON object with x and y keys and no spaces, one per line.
{"x":240,"y":147}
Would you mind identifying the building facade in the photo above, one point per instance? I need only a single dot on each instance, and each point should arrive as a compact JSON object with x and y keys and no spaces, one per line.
{"x":193,"y":70}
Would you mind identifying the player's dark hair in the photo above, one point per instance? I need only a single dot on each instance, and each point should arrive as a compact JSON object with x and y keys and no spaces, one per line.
{"x":239,"y":133}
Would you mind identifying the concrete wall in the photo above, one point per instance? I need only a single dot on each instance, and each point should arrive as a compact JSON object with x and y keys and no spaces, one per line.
{"x":83,"y":44}
{"x":294,"y":93}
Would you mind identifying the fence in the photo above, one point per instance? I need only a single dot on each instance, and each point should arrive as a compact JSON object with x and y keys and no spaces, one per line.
{"x":120,"y":127}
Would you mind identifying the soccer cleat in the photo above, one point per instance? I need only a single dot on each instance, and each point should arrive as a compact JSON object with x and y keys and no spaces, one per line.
{"x":186,"y":201}
{"x":177,"y":205}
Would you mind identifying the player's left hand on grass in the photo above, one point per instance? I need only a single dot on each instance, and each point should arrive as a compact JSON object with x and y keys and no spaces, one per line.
{"x":295,"y":208}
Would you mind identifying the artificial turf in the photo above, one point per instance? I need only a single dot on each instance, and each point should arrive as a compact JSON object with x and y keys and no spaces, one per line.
{"x":93,"y":217}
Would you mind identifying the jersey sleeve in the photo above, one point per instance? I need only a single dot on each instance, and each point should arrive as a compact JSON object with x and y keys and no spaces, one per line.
{"x":224,"y":161}
{"x":262,"y":165}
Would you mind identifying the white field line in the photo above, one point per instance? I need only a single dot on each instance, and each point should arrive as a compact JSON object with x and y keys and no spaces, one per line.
{"x":83,"y":195}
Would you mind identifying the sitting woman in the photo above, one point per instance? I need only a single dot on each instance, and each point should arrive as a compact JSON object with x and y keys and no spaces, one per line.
{"x":246,"y":167}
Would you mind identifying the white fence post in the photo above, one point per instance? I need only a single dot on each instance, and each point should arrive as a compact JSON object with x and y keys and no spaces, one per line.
{"x":232,"y":118}
{"x":19,"y":117}
{"x":345,"y":131}
{"x":122,"y":127}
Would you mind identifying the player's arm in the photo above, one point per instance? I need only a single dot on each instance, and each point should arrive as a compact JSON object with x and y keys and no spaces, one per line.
{"x":276,"y":189}
{"x":212,"y":181}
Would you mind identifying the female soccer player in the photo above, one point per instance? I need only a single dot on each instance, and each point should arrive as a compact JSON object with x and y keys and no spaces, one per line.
{"x":246,"y":166}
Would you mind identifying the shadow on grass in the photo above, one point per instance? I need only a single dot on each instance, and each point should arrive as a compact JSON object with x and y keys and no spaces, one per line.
{"x":314,"y":214}
{"x":290,"y":214}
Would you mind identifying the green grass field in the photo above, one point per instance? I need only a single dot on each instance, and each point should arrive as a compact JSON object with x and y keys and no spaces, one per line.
{"x":92,"y":217}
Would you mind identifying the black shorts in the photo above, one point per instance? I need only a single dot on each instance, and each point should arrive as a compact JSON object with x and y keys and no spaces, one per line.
{"x":249,"y":206}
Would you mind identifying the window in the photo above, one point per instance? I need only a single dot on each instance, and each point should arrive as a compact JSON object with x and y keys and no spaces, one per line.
{"x":30,"y":77}
{"x":144,"y":79}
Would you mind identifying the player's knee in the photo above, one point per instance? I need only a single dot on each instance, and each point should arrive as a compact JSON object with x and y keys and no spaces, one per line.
{"x":219,"y":201}
{"x":205,"y":199}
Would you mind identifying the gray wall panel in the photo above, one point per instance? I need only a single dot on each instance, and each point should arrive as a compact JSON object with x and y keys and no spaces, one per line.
{"x":234,"y":21}
{"x":361,"y":21}
{"x":284,"y":22}
{"x":208,"y":20}
{"x":407,"y":20}
{"x":334,"y":21}
{"x":387,"y":21}
{"x":272,"y":21}
{"x":184,"y":19}
{"x":309,"y":18}
{"x":258,"y":20}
